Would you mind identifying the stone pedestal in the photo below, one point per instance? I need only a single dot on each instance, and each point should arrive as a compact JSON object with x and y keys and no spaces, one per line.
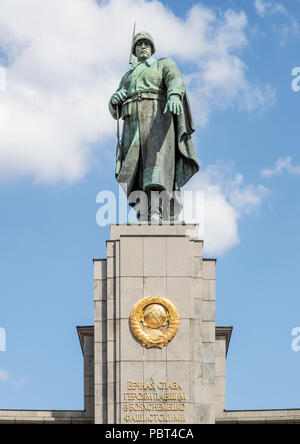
{"x":173,"y":384}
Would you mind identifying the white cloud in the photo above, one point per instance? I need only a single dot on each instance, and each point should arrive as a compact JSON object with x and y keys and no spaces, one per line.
{"x":65,"y":59}
{"x":4,"y":375}
{"x":283,"y":164}
{"x":289,"y":27}
{"x":263,"y":8}
{"x":227,"y":198}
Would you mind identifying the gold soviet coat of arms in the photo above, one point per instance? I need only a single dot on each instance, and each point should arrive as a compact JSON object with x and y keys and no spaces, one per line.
{"x":154,"y":321}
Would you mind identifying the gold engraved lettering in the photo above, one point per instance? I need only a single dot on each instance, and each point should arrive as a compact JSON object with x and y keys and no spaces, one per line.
{"x":148,"y":402}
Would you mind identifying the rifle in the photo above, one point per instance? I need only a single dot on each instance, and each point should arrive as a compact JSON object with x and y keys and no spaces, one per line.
{"x":118,"y":117}
{"x":131,"y":55}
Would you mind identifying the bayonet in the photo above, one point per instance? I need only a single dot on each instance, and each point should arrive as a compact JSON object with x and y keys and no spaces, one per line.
{"x":131,"y":55}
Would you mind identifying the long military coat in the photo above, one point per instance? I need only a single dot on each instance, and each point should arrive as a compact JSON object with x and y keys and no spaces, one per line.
{"x":156,"y":150}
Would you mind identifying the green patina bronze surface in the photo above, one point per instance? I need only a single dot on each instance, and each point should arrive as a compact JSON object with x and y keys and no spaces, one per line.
{"x":156,"y":150}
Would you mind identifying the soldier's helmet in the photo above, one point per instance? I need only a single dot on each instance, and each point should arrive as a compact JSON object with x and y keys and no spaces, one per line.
{"x":142,"y":36}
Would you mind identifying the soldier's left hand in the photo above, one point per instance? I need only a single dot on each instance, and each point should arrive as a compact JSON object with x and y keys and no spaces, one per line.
{"x":174,"y":105}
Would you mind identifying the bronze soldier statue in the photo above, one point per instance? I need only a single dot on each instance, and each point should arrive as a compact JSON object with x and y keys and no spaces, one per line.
{"x":156,"y":152}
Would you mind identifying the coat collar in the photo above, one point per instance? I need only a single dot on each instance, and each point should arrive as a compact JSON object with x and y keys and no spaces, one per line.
{"x":150,"y":61}
{"x":147,"y":62}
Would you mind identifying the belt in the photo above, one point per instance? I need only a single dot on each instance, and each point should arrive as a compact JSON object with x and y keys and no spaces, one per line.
{"x":145,"y":95}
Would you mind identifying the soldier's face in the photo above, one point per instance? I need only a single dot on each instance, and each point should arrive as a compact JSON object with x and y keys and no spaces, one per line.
{"x":143,"y":50}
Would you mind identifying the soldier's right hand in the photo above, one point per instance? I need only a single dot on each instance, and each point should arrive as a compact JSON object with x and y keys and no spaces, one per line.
{"x":119,"y":96}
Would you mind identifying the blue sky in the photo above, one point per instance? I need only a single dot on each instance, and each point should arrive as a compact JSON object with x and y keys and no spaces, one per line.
{"x":57,"y":147}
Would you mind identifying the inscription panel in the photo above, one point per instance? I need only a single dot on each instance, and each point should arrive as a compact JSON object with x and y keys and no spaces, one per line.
{"x":154,"y":402}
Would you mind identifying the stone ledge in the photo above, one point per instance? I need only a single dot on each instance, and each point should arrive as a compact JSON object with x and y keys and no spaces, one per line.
{"x":45,"y":417}
{"x":288,"y":416}
{"x":188,"y":230}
